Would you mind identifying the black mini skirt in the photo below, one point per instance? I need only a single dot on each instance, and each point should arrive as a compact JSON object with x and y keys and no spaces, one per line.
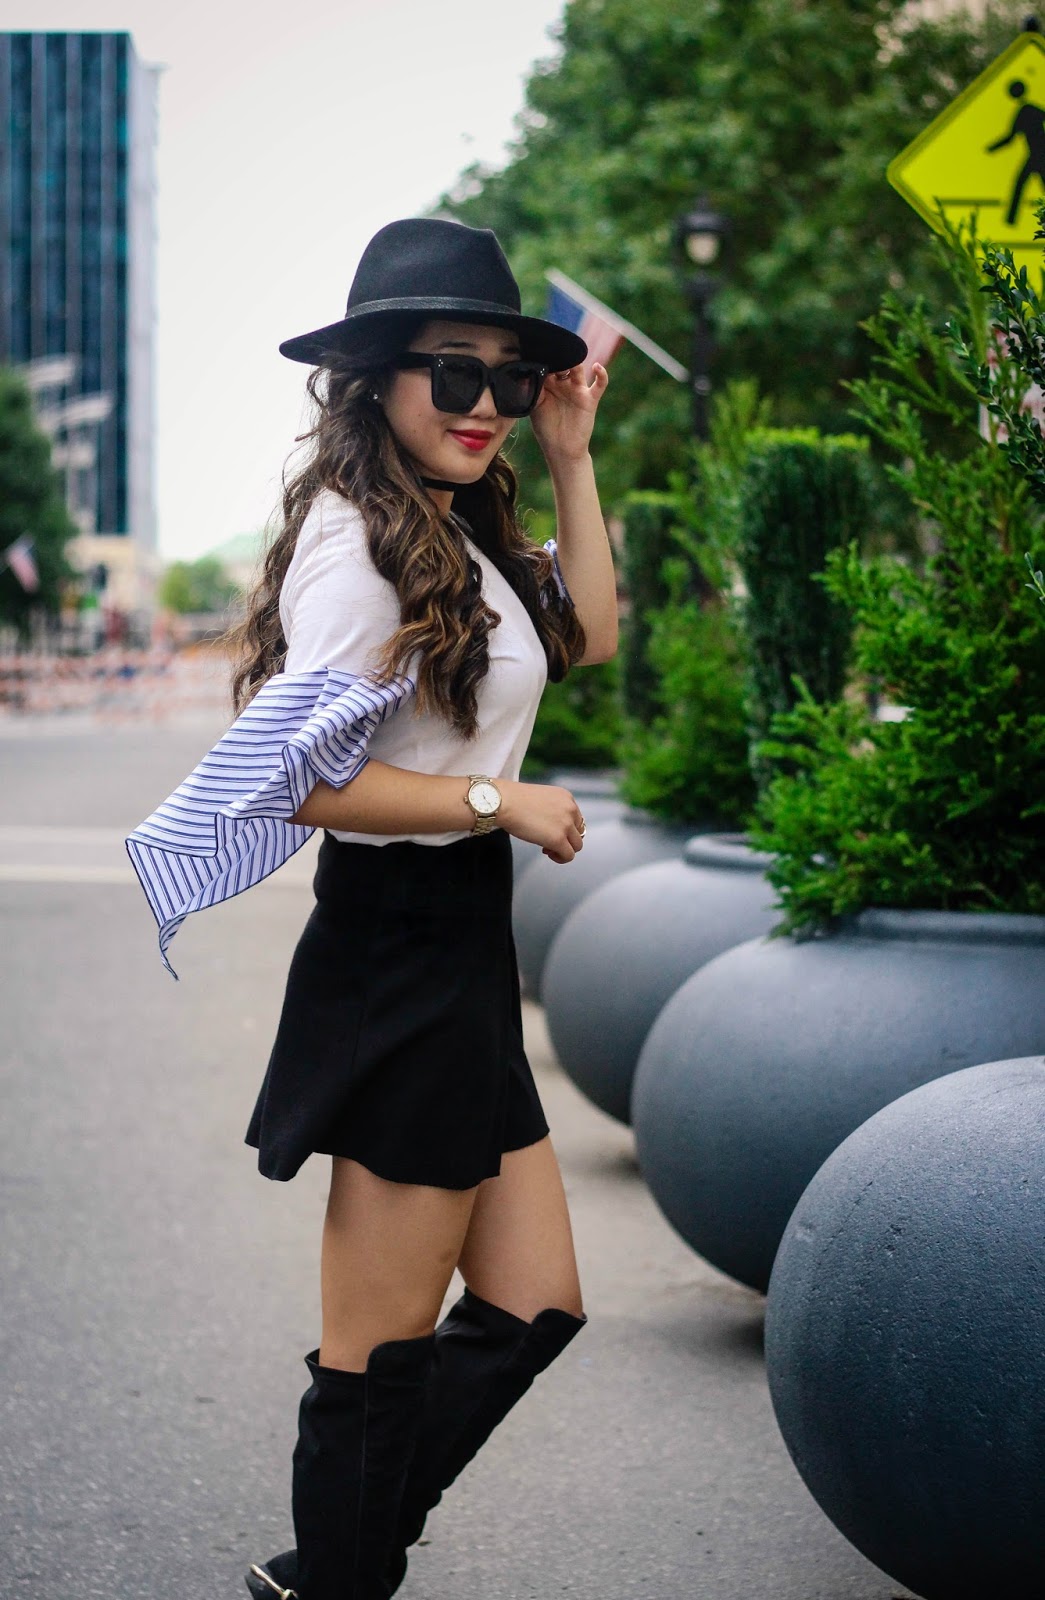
{"x":400,"y":1039}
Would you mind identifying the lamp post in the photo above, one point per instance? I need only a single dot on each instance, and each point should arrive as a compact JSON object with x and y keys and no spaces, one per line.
{"x":698,"y":235}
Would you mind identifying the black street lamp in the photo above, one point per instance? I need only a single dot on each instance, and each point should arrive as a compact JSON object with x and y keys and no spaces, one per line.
{"x":698,"y":235}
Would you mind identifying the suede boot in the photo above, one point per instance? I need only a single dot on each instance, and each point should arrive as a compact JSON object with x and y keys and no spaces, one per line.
{"x":485,"y":1359}
{"x":356,"y":1437}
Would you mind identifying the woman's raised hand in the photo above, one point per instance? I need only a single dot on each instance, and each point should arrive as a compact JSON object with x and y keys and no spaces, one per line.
{"x":542,"y":813}
{"x":564,"y":415}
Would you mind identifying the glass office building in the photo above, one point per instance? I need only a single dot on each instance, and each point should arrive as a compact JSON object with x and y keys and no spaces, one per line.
{"x":77,"y":247}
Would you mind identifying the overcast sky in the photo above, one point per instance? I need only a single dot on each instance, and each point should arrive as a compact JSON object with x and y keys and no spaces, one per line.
{"x":288,"y":135}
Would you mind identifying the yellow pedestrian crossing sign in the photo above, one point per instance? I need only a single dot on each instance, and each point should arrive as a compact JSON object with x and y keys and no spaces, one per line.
{"x":984,"y":155}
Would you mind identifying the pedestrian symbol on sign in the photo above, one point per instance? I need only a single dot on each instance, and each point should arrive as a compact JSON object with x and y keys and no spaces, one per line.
{"x":981,"y":162}
{"x":1029,"y":124}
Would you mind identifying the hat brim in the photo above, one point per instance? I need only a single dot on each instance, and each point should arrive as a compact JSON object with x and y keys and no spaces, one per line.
{"x":541,"y":340}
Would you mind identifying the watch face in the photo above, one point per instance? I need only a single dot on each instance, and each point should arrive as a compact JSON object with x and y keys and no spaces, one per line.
{"x":484,"y":797}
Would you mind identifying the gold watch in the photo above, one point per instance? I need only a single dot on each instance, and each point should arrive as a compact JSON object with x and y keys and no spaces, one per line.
{"x":484,"y":797}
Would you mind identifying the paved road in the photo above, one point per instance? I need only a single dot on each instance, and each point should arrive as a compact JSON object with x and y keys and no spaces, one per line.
{"x":158,"y":1295}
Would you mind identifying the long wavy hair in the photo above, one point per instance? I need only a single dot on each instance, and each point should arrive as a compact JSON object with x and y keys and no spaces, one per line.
{"x":351,"y":449}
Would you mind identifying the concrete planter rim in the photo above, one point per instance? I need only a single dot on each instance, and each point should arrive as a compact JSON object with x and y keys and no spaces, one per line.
{"x":881,"y":924}
{"x":726,"y":850}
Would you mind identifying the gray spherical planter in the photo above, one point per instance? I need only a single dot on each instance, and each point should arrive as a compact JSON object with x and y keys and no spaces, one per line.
{"x":905,"y":1335}
{"x":547,"y":890}
{"x":768,"y":1057}
{"x":597,"y":792}
{"x":650,"y":928}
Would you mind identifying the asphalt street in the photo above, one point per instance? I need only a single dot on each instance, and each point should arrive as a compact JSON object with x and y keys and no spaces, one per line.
{"x":158,"y":1294}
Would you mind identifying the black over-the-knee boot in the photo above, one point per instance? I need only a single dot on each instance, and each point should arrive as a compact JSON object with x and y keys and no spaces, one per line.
{"x":357,"y":1433}
{"x":485,"y":1359}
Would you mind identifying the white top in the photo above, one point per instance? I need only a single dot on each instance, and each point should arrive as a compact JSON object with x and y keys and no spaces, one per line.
{"x":227,"y":825}
{"x":338,"y":611}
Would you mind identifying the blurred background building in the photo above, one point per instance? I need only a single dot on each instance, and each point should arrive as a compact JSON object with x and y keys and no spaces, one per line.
{"x":77,"y":283}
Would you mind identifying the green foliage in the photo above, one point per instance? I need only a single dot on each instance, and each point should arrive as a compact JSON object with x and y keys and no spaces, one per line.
{"x":649,"y":517}
{"x":578,"y":721}
{"x":31,"y":502}
{"x":801,"y":496}
{"x":201,"y":585}
{"x":683,"y":742}
{"x":708,"y":496}
{"x":943,"y":808}
{"x":786,"y":116}
{"x":688,"y":762}
{"x":1018,"y":323}
{"x":1038,"y":579}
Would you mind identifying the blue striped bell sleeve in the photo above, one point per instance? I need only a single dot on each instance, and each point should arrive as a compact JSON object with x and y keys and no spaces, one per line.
{"x":560,"y":582}
{"x":225,"y":826}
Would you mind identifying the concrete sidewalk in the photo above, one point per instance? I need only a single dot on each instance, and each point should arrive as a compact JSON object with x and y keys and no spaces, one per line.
{"x":159,"y":1295}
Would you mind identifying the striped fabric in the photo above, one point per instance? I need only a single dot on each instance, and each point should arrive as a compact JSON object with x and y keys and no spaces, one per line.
{"x":224,"y":828}
{"x":560,"y":582}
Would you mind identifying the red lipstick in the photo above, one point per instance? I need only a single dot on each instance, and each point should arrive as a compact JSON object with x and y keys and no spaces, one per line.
{"x":471,"y":440}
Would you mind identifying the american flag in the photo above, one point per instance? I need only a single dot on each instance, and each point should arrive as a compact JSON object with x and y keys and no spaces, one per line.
{"x":19,"y":557}
{"x":602,"y":330}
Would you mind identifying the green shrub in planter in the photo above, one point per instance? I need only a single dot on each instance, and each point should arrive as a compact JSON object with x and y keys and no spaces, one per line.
{"x":942,"y":809}
{"x":650,"y":516}
{"x":1019,"y":316}
{"x":684,"y":740}
{"x":801,"y":495}
{"x":688,"y":762}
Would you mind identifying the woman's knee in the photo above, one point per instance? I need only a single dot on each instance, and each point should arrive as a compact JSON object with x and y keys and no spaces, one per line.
{"x":389,"y":1253}
{"x":518,"y":1251}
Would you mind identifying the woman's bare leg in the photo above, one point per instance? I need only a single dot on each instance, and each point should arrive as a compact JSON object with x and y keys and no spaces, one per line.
{"x":389,"y":1252}
{"x":518,"y":1248}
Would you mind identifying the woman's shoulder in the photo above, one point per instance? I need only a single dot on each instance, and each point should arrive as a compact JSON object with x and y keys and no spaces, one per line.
{"x":332,"y":538}
{"x":331,"y":564}
{"x":331,"y":519}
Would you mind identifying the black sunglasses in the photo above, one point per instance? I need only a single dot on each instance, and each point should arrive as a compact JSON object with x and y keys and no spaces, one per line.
{"x":458,"y":381}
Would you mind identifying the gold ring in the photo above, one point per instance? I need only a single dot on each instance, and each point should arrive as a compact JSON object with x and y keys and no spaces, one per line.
{"x":581,"y":828}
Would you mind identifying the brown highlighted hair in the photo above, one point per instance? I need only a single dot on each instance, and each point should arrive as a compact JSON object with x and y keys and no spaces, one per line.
{"x":352,"y":450}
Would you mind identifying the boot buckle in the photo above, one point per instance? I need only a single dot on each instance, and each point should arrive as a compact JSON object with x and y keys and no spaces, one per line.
{"x":284,"y":1594}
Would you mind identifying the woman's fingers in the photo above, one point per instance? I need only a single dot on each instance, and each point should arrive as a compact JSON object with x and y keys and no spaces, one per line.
{"x":568,"y":848}
{"x":575,"y":375}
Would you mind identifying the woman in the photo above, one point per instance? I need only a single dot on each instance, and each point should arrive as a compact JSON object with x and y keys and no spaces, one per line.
{"x":394,"y":652}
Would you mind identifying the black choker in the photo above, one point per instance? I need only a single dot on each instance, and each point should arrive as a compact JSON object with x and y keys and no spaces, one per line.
{"x":440,"y":483}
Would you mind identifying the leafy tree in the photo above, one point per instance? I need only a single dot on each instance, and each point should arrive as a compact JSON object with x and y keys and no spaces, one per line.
{"x":31,"y":502}
{"x":786,"y":116}
{"x":942,"y":809}
{"x":201,"y":585}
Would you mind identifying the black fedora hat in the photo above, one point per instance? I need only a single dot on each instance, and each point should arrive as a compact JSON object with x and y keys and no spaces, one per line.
{"x":433,"y":267}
